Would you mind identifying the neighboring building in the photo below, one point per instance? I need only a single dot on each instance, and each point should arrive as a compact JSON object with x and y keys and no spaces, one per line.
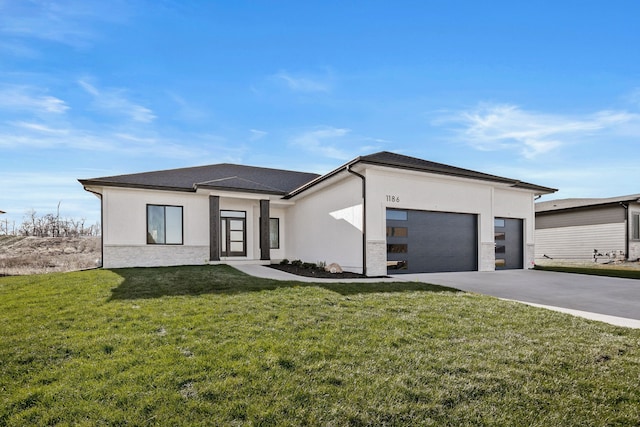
{"x":377,"y":212}
{"x":578,"y":229}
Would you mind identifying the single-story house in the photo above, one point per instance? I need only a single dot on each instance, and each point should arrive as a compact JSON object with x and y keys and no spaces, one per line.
{"x":588,"y":229}
{"x":377,"y":213}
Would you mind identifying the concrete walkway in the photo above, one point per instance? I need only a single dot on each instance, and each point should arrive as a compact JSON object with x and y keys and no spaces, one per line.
{"x":606,"y":299}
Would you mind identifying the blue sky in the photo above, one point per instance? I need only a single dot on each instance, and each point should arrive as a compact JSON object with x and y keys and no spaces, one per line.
{"x":543,"y":91}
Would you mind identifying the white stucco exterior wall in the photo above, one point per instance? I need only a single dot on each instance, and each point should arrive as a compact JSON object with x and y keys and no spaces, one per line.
{"x":326,"y":225}
{"x":279,"y":254}
{"x":124,"y":228}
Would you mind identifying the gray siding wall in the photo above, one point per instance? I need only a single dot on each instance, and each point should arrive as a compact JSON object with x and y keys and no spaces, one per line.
{"x":591,"y":216}
{"x":579,"y":242}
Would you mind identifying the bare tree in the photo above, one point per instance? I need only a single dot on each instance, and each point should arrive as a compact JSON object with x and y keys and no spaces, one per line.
{"x":51,"y":225}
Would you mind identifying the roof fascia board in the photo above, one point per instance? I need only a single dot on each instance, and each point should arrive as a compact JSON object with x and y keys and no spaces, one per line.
{"x":611,"y":201}
{"x":582,"y":207}
{"x":321,"y":179}
{"x":94,"y":183}
{"x":579,"y":208}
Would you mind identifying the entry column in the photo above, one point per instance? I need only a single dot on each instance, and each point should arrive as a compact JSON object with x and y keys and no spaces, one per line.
{"x":265,"y":246}
{"x":214,"y":228}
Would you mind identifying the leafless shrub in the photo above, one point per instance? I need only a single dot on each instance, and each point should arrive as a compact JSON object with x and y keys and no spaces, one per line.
{"x":32,"y":255}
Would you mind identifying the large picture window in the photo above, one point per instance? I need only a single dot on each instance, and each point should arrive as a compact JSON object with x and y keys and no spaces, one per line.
{"x":164,"y":225}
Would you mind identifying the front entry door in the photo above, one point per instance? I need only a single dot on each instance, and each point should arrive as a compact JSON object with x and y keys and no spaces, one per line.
{"x":233,"y":233}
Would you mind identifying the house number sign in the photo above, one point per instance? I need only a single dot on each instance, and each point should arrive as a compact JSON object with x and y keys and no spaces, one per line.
{"x":393,"y":199}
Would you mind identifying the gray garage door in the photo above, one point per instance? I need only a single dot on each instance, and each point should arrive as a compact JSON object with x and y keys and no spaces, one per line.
{"x":429,"y":242}
{"x":509,"y":243}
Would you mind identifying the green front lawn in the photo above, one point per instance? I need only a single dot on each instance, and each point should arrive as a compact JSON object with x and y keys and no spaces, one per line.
{"x":211,"y":346}
{"x":597,"y":270}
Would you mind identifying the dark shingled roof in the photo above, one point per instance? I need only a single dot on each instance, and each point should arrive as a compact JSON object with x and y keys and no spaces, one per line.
{"x":252,"y":179}
{"x":388,"y":159}
{"x":223,"y":176}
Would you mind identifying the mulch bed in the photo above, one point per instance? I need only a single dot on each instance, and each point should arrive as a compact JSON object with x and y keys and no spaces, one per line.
{"x":316,"y":272}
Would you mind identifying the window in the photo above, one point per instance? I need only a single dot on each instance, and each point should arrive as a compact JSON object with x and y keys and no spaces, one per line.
{"x":397,"y":231}
{"x":397,"y":248}
{"x":274,"y":233}
{"x":396,"y":215}
{"x":164,"y":225}
{"x":398,"y":265}
{"x":498,"y":222}
{"x":635,"y":226}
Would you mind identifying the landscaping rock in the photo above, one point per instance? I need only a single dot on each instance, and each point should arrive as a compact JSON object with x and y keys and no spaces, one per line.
{"x":333,"y":268}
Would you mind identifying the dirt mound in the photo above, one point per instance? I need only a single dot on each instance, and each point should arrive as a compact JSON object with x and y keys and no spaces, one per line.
{"x":33,"y":255}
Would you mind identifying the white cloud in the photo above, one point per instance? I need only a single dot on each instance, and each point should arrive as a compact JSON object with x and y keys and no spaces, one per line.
{"x":40,"y":128}
{"x":186,"y":111}
{"x":303,"y":84}
{"x":634,"y":96}
{"x":491,"y":127}
{"x":324,"y":141}
{"x":257,"y":134}
{"x":114,"y":101}
{"x":26,"y":98}
{"x":69,"y":23}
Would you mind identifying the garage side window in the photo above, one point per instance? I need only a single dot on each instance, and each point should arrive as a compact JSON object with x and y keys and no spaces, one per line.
{"x":635,"y":226}
{"x":396,"y":215}
{"x":164,"y":225}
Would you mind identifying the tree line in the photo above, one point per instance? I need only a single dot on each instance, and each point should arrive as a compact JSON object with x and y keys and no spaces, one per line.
{"x":49,"y":225}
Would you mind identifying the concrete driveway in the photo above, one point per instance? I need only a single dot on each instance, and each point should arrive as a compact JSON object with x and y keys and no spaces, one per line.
{"x":594,"y":294}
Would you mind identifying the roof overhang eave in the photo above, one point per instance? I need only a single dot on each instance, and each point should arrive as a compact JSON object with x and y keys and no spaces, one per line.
{"x":539,"y":190}
{"x":89,"y":182}
{"x":321,"y":179}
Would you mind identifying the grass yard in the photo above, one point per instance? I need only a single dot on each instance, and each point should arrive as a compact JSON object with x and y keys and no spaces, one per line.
{"x":211,"y":346}
{"x":595,"y":270}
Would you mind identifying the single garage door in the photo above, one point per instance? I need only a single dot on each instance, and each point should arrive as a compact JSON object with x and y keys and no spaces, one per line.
{"x":509,"y":243}
{"x":429,"y":242}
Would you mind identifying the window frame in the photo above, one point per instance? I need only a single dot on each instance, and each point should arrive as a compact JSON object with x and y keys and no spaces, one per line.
{"x":164,"y":225}
{"x":397,"y":214}
{"x":275,"y":221}
{"x":635,"y":226}
{"x":226,"y":216}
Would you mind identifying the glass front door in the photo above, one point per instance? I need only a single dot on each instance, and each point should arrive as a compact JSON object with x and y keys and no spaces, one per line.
{"x":233,"y":233}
